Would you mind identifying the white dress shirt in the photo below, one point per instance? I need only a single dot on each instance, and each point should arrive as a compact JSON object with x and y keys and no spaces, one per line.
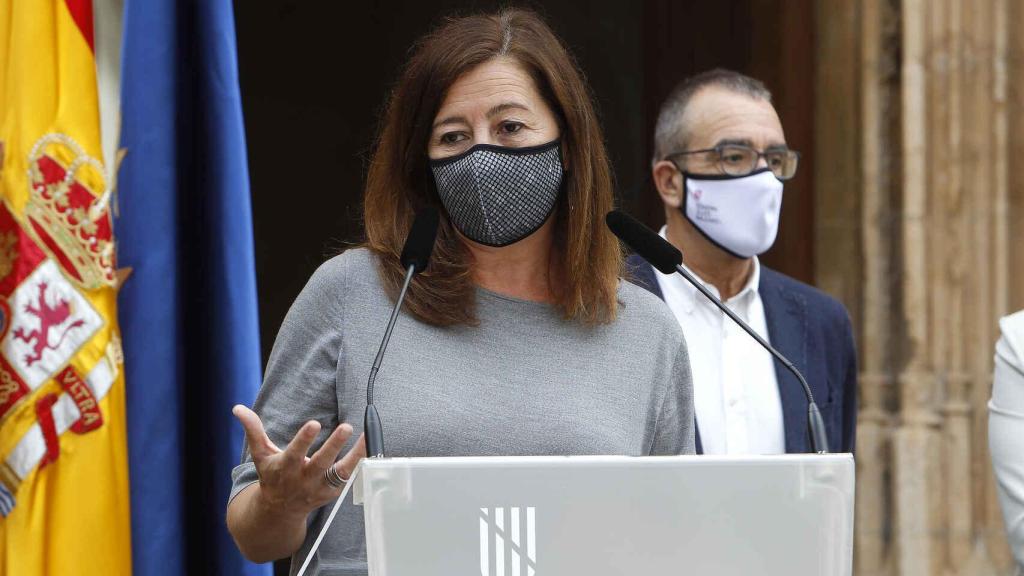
{"x":1006,"y":430}
{"x":735,"y":392}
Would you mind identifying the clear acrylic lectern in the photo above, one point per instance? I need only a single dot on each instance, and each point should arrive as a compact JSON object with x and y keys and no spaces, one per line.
{"x":596,"y":515}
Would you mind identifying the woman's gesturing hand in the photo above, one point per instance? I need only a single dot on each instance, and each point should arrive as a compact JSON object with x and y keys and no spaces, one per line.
{"x":292,"y":483}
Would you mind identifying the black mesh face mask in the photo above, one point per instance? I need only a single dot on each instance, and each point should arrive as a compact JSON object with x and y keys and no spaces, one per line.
{"x":496,"y":195}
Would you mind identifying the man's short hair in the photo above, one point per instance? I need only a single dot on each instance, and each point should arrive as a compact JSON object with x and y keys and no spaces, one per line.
{"x":669,"y":134}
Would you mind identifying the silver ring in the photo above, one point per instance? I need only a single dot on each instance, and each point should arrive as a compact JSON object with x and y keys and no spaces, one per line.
{"x":333,"y":478}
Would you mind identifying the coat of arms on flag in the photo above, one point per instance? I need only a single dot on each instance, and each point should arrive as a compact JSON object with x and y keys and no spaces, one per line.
{"x":44,"y":262}
{"x":46,"y":319}
{"x":63,"y":453}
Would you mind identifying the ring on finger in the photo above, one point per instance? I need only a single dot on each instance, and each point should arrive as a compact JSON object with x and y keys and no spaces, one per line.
{"x":333,"y":478}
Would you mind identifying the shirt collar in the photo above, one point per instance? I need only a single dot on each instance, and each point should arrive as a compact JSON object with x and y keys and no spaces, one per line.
{"x":692,"y":295}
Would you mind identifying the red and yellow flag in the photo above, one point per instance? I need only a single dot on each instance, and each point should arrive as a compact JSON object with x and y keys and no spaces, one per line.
{"x":63,"y":455}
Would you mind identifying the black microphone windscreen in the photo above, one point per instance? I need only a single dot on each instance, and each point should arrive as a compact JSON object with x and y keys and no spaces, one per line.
{"x":645,"y":242}
{"x":420,"y":242}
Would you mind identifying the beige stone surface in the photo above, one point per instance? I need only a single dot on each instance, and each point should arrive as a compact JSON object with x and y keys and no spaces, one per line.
{"x":920,"y":231}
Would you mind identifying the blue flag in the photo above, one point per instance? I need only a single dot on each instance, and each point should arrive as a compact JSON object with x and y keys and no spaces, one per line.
{"x":188,"y":311}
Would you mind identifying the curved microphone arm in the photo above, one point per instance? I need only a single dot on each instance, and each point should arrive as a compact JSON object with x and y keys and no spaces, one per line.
{"x":372,"y":425}
{"x":819,"y":439}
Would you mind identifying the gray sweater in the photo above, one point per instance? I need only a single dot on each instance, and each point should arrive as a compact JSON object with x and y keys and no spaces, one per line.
{"x":522,"y":382}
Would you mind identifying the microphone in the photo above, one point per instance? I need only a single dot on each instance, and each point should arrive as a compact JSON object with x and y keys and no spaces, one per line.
{"x":415,"y":257}
{"x":664,"y":257}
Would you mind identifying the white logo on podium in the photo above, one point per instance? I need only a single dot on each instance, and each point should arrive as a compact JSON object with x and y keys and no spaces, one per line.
{"x":515,"y":541}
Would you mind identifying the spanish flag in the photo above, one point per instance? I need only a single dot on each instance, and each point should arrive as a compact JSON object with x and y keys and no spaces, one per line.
{"x":63,"y":457}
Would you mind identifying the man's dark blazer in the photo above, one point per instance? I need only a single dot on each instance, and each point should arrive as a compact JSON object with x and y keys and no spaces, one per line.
{"x":813,"y":331}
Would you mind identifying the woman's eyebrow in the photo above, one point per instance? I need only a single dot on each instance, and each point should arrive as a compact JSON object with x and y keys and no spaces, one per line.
{"x":494,"y":111}
{"x":507,"y":106}
{"x":451,"y":120}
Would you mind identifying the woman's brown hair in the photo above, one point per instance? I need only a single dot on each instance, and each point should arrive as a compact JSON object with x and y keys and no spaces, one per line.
{"x":587,"y":258}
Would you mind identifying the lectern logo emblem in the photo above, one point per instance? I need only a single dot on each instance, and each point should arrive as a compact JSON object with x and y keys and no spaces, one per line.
{"x":508,"y":541}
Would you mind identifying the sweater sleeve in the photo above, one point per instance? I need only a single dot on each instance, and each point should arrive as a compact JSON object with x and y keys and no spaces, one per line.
{"x":674,"y":430}
{"x":301,"y":376}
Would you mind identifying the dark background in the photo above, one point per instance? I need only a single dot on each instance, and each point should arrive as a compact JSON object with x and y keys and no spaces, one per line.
{"x":315,"y":75}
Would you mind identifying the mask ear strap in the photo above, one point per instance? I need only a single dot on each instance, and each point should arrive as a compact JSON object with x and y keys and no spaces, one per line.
{"x":685,"y":195}
{"x":671,"y":159}
{"x":684,"y":175}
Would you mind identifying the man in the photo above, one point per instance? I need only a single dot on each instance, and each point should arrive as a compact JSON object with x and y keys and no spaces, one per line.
{"x":719,"y":166}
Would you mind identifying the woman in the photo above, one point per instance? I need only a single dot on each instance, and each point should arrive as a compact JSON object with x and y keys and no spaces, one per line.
{"x":1006,"y":430}
{"x":519,"y":338}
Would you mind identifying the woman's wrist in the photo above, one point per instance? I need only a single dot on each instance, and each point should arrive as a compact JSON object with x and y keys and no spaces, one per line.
{"x":277,"y":509}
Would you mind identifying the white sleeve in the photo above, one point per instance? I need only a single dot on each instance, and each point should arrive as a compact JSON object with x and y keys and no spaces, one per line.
{"x":1006,"y":429}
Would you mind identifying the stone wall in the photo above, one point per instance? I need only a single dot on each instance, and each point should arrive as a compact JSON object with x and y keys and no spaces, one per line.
{"x":920,"y":230}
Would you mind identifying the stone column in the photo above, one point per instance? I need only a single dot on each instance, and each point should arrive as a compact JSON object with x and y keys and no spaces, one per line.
{"x":877,"y":70}
{"x":939,"y":238}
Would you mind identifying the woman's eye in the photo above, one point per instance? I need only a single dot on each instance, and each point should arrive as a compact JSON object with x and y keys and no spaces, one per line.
{"x":511,"y":127}
{"x":451,"y":137}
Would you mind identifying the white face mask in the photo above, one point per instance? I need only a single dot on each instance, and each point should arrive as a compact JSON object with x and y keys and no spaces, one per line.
{"x":739,"y":214}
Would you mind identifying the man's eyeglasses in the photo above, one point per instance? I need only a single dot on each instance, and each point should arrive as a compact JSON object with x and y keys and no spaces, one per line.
{"x":740,"y":160}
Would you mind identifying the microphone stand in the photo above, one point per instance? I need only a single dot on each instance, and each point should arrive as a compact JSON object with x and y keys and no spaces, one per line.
{"x":372,"y":425}
{"x":819,"y":442}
